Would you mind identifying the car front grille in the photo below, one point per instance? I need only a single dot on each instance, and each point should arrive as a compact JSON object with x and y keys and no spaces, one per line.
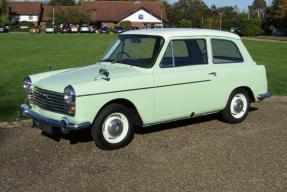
{"x":49,"y":100}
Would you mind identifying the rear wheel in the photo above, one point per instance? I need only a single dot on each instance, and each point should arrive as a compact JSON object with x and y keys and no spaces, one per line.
{"x":113,"y":127}
{"x":237,"y":107}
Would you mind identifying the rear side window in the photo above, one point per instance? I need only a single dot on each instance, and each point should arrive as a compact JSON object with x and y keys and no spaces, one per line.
{"x":185,"y":53}
{"x":225,"y":51}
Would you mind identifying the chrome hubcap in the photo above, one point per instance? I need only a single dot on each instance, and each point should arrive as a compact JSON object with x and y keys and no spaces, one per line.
{"x":115,"y":127}
{"x":238,"y":106}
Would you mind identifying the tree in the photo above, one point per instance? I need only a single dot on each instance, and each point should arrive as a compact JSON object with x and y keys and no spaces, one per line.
{"x":93,"y":13}
{"x":258,"y":8}
{"x":69,"y":15}
{"x":279,"y":13}
{"x":191,"y":10}
{"x":184,"y":23}
{"x":207,"y":23}
{"x":229,"y":15}
{"x":61,"y":2}
{"x":4,"y":12}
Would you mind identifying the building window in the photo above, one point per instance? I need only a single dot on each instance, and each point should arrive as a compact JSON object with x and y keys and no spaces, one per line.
{"x":30,"y":17}
{"x":141,"y":17}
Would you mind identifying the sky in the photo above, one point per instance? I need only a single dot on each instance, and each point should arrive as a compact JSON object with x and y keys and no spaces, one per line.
{"x":242,"y":4}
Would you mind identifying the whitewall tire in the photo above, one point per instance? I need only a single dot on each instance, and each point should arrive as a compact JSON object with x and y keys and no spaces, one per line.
{"x":237,"y":107}
{"x":113,"y":127}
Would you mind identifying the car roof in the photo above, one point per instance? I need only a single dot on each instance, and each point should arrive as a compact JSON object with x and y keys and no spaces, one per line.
{"x":182,"y":32}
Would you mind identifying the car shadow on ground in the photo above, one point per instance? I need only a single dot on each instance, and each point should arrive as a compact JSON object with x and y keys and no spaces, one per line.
{"x":83,"y":136}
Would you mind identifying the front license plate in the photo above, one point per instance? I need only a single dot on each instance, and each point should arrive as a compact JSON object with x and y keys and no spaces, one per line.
{"x":44,"y":127}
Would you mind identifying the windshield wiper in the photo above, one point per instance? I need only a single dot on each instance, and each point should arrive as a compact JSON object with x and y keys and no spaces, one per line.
{"x":104,"y":60}
{"x":115,"y":61}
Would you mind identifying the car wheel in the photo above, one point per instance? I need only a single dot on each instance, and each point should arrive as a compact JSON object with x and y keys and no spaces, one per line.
{"x":113,"y":127}
{"x":237,"y":107}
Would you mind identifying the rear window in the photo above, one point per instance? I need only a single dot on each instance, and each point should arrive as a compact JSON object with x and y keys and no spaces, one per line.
{"x":225,"y":51}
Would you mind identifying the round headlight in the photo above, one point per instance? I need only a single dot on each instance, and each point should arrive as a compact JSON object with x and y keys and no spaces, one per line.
{"x":69,"y":95}
{"x":27,"y":85}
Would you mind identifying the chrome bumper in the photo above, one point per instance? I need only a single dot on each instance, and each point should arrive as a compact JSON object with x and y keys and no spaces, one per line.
{"x":63,"y":123}
{"x":263,"y":96}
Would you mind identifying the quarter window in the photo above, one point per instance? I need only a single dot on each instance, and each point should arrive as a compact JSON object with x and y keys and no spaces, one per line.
{"x":225,"y":51}
{"x":185,"y":53}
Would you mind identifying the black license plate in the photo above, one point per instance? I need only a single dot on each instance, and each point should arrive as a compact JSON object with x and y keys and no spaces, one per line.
{"x":44,"y":127}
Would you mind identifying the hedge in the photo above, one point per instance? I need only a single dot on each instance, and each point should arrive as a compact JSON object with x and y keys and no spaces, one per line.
{"x":251,"y":27}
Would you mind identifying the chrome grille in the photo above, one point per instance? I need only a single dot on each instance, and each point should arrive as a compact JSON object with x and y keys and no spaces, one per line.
{"x":48,"y":100}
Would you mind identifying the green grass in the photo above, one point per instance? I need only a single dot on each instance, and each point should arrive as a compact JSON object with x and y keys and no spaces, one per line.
{"x":22,"y":54}
{"x":274,"y":57}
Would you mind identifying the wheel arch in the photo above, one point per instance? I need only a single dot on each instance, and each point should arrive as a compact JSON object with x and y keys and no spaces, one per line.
{"x":248,"y":89}
{"x":127,"y":103}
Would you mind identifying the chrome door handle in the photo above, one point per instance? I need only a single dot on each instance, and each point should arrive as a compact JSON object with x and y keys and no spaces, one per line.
{"x":212,"y":73}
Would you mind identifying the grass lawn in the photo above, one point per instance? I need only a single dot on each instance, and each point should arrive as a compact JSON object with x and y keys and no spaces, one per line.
{"x":274,"y":57}
{"x":22,"y":54}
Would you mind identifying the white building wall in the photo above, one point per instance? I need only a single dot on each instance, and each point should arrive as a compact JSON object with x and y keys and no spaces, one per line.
{"x":31,"y":18}
{"x":143,"y":17}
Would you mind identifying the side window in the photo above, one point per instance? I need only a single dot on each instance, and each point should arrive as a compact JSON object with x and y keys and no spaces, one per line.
{"x":225,"y":51}
{"x":185,"y":53}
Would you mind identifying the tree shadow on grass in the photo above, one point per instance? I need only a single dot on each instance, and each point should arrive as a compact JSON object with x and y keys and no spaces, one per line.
{"x":9,"y":113}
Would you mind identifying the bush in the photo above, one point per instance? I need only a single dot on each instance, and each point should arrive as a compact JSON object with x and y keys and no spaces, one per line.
{"x":251,"y":27}
{"x":26,"y":24}
{"x":126,"y":25}
{"x":112,"y":27}
{"x":185,"y":23}
{"x":228,"y":24}
{"x":207,"y":23}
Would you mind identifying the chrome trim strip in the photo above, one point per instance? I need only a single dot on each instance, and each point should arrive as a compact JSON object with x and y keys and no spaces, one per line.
{"x":263,"y":96}
{"x":64,"y":123}
{"x":144,"y":88}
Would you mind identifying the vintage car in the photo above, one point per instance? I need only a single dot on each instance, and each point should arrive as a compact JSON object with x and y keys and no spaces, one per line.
{"x":148,"y":77}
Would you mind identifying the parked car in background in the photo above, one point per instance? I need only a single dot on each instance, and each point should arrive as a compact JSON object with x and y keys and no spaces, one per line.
{"x":51,"y":29}
{"x":279,"y":32}
{"x":74,"y":29}
{"x":85,"y":28}
{"x":236,"y":30}
{"x":65,"y":28}
{"x":92,"y":29}
{"x":182,"y":73}
{"x":104,"y":29}
{"x":119,"y":30}
{"x":4,"y":29}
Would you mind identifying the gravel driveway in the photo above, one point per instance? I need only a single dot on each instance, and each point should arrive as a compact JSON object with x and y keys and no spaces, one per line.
{"x":202,"y":154}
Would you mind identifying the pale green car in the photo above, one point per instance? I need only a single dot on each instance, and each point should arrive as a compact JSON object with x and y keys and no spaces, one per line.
{"x":148,"y":77}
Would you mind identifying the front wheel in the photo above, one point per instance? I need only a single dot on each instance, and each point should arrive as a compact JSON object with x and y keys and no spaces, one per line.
{"x":113,"y":127}
{"x":237,"y":107}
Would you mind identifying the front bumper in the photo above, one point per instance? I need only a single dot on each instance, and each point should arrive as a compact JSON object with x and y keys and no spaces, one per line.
{"x":63,"y":123}
{"x":263,"y":96}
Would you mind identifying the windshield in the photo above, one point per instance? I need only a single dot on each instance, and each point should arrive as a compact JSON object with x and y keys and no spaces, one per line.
{"x":136,"y":50}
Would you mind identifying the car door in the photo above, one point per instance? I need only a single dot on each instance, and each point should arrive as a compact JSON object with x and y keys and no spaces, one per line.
{"x":184,"y":82}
